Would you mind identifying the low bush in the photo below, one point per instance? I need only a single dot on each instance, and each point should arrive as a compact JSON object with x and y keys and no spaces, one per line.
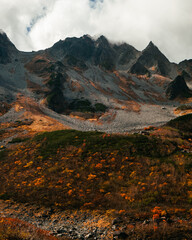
{"x":183,"y":123}
{"x":15,"y":229}
{"x":184,"y":107}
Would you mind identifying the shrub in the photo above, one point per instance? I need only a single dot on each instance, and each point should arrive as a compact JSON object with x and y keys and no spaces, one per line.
{"x":183,"y":123}
{"x":99,"y":107}
{"x":184,"y":107}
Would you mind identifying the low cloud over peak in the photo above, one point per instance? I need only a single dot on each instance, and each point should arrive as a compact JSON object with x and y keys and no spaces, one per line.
{"x":38,"y":24}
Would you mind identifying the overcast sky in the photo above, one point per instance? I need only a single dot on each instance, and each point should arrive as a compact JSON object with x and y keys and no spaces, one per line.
{"x":38,"y":24}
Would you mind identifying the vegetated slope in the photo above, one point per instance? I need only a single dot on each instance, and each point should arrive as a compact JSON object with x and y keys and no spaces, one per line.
{"x":71,"y":170}
{"x":182,"y":123}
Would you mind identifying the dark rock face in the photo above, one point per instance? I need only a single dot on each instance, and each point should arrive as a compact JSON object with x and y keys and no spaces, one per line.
{"x":178,"y":88}
{"x":126,"y":54}
{"x":120,"y":235}
{"x":186,"y":76}
{"x":6,"y":49}
{"x":79,"y":48}
{"x":56,"y":101}
{"x":139,"y":69}
{"x":99,"y":52}
{"x":83,"y":49}
{"x":75,"y":62}
{"x":186,"y":68}
{"x":55,"y":98}
{"x":151,"y":56}
{"x":104,"y":54}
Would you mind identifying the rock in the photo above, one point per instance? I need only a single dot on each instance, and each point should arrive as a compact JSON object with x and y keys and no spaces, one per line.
{"x":178,"y":88}
{"x":114,"y":227}
{"x":151,"y":57}
{"x":120,"y":235}
{"x":61,"y":230}
{"x":7,"y":49}
{"x":139,"y":69}
{"x":146,"y":222}
{"x":89,"y":236}
{"x":117,"y":220}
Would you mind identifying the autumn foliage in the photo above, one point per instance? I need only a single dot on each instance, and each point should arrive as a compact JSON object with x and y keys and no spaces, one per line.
{"x":71,"y":170}
{"x":15,"y":229}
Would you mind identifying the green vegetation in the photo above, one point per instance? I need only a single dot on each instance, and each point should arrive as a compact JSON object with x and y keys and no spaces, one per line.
{"x":2,"y":132}
{"x":85,"y":106}
{"x":183,"y":123}
{"x":3,"y":154}
{"x":18,"y":140}
{"x":132,"y":144}
{"x":96,"y":170}
{"x":99,"y":107}
{"x":184,"y":107}
{"x":81,"y":106}
{"x":56,"y":80}
{"x":131,"y":176}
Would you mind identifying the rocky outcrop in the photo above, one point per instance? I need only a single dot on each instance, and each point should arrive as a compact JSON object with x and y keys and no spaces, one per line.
{"x":178,"y":88}
{"x":185,"y":67}
{"x":186,"y":76}
{"x":151,"y":57}
{"x":139,"y":69}
{"x":102,"y":53}
{"x":7,"y":49}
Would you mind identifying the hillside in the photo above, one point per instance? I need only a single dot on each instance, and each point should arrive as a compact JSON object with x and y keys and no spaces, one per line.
{"x":87,"y":84}
{"x":92,"y":171}
{"x":95,"y":142}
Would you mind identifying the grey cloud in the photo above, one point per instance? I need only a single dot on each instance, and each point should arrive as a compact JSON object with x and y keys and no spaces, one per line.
{"x":167,"y":23}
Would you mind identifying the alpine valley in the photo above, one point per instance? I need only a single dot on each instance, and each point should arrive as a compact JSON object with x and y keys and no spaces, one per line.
{"x":95,"y":142}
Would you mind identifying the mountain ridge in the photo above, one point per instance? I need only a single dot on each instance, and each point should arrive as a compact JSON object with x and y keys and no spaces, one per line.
{"x":94,"y":81}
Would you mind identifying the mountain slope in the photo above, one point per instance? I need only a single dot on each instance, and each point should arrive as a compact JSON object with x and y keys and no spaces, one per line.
{"x":7,"y":49}
{"x":89,"y":84}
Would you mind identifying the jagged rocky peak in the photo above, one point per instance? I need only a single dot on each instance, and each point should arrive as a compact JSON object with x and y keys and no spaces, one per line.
{"x":4,"y":40}
{"x":81,"y":48}
{"x":154,"y":51}
{"x":152,"y":57}
{"x":7,"y":48}
{"x":126,"y":54}
{"x":178,"y":88}
{"x":151,"y":45}
{"x":102,"y":40}
{"x":87,"y":37}
{"x":99,"y":52}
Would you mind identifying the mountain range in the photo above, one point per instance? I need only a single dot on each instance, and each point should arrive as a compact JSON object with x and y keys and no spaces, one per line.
{"x":92,"y":84}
